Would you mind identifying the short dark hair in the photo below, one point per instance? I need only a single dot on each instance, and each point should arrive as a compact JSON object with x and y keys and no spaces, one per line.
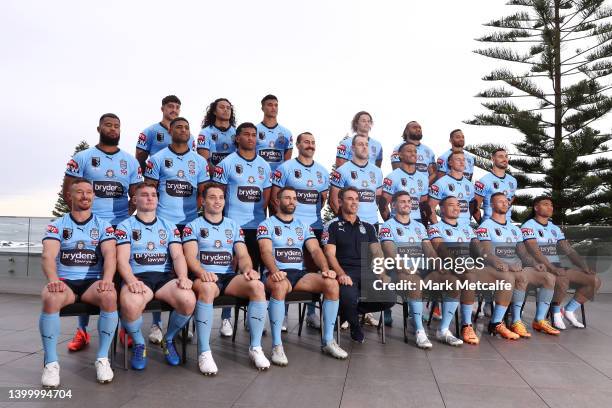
{"x":499,"y":193}
{"x":355,"y":137}
{"x":245,"y":125}
{"x":210,"y":186}
{"x":80,"y":180}
{"x":347,"y":189}
{"x":453,"y":154}
{"x":178,"y":119}
{"x":404,"y":145}
{"x":499,"y":149}
{"x":268,"y":97}
{"x":356,"y":119}
{"x":540,"y":198}
{"x":445,"y":200}
{"x":283,"y":189}
{"x":454,"y":131}
{"x":109,"y":115}
{"x":144,"y":184}
{"x":299,"y":137}
{"x":170,"y":99}
{"x":399,"y":194}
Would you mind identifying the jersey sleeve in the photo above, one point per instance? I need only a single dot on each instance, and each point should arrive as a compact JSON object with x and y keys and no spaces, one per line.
{"x":203,"y":140}
{"x":76,"y":165}
{"x":152,"y":170}
{"x":343,"y":151}
{"x":238,"y":233}
{"x":480,"y":187}
{"x":279,"y":176}
{"x":560,"y":234}
{"x":308,"y":232}
{"x":202,"y":170}
{"x":289,"y":140}
{"x":174,"y":235}
{"x":436,"y":191}
{"x":384,"y":233}
{"x":123,"y":233}
{"x":433,"y":232}
{"x":421,"y":228}
{"x":336,"y":179}
{"x":372,"y":236}
{"x":472,"y":234}
{"x":518,"y":233}
{"x":144,"y":141}
{"x":442,"y":165}
{"x":388,"y":186}
{"x":53,"y":230}
{"x":483,"y":234}
{"x":379,"y":156}
{"x":527,"y":232}
{"x":109,"y":231}
{"x":431,"y":157}
{"x":220,"y":174}
{"x":188,"y":232}
{"x":395,"y":155}
{"x":267,"y":176}
{"x":263,"y":231}
{"x":135,"y":172}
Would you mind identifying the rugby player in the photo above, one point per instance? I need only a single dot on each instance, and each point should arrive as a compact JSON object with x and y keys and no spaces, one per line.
{"x":360,"y":125}
{"x":496,"y":180}
{"x":274,"y":142}
{"x":426,"y":160}
{"x":457,"y":141}
{"x":217,"y":137}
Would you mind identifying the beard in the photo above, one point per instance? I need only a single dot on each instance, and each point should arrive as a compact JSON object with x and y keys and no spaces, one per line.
{"x":415,"y":136}
{"x":287,"y":210}
{"x":108,"y":140}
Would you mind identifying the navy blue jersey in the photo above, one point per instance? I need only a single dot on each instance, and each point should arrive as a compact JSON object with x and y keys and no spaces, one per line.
{"x":156,"y":137}
{"x":220,"y":143}
{"x":468,"y":172}
{"x":272,"y":143}
{"x":288,"y":240}
{"x":215,"y":243}
{"x":246,"y":181}
{"x":309,"y":183}
{"x":425,"y":157}
{"x":367,"y":179}
{"x":503,"y":237}
{"x":408,"y":238}
{"x":80,"y":256}
{"x":448,"y":186}
{"x":546,"y":235}
{"x":416,"y":184}
{"x":149,"y":243}
{"x":457,"y":237}
{"x":490,"y":184}
{"x":178,"y":175}
{"x":111,"y":174}
{"x":344,"y":151}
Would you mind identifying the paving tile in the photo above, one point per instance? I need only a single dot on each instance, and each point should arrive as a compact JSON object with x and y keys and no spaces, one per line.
{"x":478,"y":395}
{"x":566,"y":376}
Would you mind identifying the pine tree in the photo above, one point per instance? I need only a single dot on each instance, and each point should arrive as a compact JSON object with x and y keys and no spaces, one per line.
{"x":61,"y":207}
{"x":566,"y":49}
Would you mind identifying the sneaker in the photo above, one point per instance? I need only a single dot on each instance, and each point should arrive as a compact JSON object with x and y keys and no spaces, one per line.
{"x":422,"y":341}
{"x":558,"y":322}
{"x":284,"y":326}
{"x":501,"y":329}
{"x":572,"y":319}
{"x":104,"y":372}
{"x":278,"y":356}
{"x":170,"y":353}
{"x":258,"y":358}
{"x":122,"y":335}
{"x":155,"y":334}
{"x":50,"y":375}
{"x":313,"y":321}
{"x":139,"y":357}
{"x":344,"y":325}
{"x":357,"y":334}
{"x":447,"y":337}
{"x":519,"y":328}
{"x":437,"y":313}
{"x":333,"y":349}
{"x":369,"y":320}
{"x":469,"y":335}
{"x":207,"y":363}
{"x":226,"y":329}
{"x":79,"y":341}
{"x":545,"y":327}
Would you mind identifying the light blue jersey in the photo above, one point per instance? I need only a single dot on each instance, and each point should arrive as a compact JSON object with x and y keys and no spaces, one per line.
{"x":448,"y":186}
{"x":149,"y":243}
{"x":344,"y":151}
{"x":546,"y":235}
{"x":272,"y":143}
{"x":416,"y":184}
{"x":288,"y":240}
{"x":215,"y":243}
{"x":246,"y":181}
{"x":111,"y":174}
{"x":468,"y":172}
{"x":490,"y":184}
{"x":425,"y":157}
{"x":309,"y":183}
{"x":156,"y":137}
{"x":219,"y":142}
{"x":503,"y":237}
{"x":367,"y":179}
{"x":457,"y":237}
{"x":408,"y":238}
{"x":80,"y":256}
{"x":178,"y":175}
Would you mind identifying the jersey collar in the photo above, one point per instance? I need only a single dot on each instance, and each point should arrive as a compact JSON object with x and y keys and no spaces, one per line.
{"x":162,"y":125}
{"x":454,"y":178}
{"x":357,"y":220}
{"x":146,"y":223}
{"x":284,"y":222}
{"x":399,"y":222}
{"x":213,"y":223}
{"x":81,"y":223}
{"x":245,"y":159}
{"x":361,"y":167}
{"x":499,"y":223}
{"x":221,"y":129}
{"x":448,"y":223}
{"x":305,"y":165}
{"x":271,"y":128}
{"x":410,"y":174}
{"x":106,"y":153}
{"x":178,"y":154}
{"x":495,"y":175}
{"x":544,"y":225}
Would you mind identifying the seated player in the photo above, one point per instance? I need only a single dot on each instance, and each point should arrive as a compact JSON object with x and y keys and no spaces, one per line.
{"x":544,"y":241}
{"x":503,"y":242}
{"x":78,"y":260}
{"x":282,"y":239}
{"x":148,"y":250}
{"x":212,"y":245}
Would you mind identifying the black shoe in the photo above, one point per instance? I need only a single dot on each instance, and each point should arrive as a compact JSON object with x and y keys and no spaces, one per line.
{"x":357,"y":334}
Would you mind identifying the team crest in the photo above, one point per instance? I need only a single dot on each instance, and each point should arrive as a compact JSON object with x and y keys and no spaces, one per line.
{"x":217,"y":243}
{"x":260,"y":170}
{"x":278,"y":231}
{"x":354,"y":175}
{"x":136,"y":235}
{"x":214,"y":137}
{"x":297,"y":173}
{"x":160,"y":137}
{"x":180,"y":174}
{"x":511,"y":184}
{"x":319,"y":177}
{"x":309,"y":183}
{"x":498,"y":232}
{"x":399,"y":232}
{"x":372,"y":177}
{"x":404,"y":182}
{"x":420,"y":184}
{"x":290,"y":241}
{"x":162,"y":234}
{"x":262,"y":135}
{"x":225,"y":146}
{"x":168,"y":163}
{"x":239,"y":169}
{"x":451,"y":188}
{"x":362,"y":228}
{"x":554,"y":233}
{"x":541,"y":233}
{"x":123,"y":164}
{"x":204,"y":232}
{"x":94,"y":233}
{"x":95,"y":161}
{"x":150,"y":246}
{"x":299,"y":232}
{"x":467,"y":188}
{"x":80,"y":245}
{"x":495,"y":185}
{"x":191,"y":165}
{"x":514,"y":233}
{"x":67,"y":233}
{"x":281,"y":139}
{"x":228,"y":234}
{"x":419,"y":234}
{"x":466,"y":232}
{"x":448,"y":232}
{"x":110,"y":173}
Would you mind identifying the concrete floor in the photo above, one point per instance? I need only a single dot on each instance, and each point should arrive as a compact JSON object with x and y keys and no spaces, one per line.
{"x":574,"y":369}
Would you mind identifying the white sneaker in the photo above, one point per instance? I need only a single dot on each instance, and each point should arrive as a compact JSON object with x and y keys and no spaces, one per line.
{"x":344,"y":325}
{"x":422,"y":341}
{"x":558,"y":322}
{"x":572,"y":319}
{"x":448,"y":338}
{"x":258,"y":358}
{"x":104,"y":372}
{"x":50,"y":375}
{"x":313,"y":321}
{"x":278,"y":356}
{"x":284,"y":326}
{"x":207,"y":363}
{"x":333,"y":349}
{"x":155,"y":334}
{"x":226,"y":329}
{"x":370,"y":320}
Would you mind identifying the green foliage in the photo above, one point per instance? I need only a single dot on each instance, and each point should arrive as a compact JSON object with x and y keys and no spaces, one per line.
{"x":61,"y":207}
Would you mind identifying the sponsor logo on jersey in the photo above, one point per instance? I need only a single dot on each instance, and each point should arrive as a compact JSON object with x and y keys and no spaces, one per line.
{"x":433,"y":231}
{"x":479,"y":186}
{"x":277,"y":175}
{"x":384,"y":232}
{"x":179,"y":188}
{"x":434,"y":189}
{"x":110,"y":173}
{"x":52,"y":229}
{"x":187,"y":231}
{"x":160,"y":137}
{"x":177,"y":233}
{"x":120,"y":234}
{"x":335,"y":176}
{"x":310,"y":197}
{"x":262,"y":230}
{"x":110,"y":231}
{"x":73,"y":166}
{"x":215,"y":258}
{"x":217,"y":243}
{"x":201,"y":139}
{"x":248,"y":194}
{"x":505,"y":251}
{"x":150,"y":258}
{"x":142,"y":139}
{"x":387,"y":182}
{"x":341,"y":150}
{"x":271,"y":155}
{"x":288,"y":255}
{"x":78,"y":257}
{"x":366,"y":196}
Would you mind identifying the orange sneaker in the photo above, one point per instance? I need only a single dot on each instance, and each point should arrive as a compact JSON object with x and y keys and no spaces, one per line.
{"x":79,"y":341}
{"x":545,"y":327}
{"x":501,"y":329}
{"x":437,"y":314}
{"x":469,"y":335}
{"x":122,"y":334}
{"x":519,"y":328}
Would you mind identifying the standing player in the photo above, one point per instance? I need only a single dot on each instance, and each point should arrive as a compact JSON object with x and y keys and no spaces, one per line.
{"x":78,"y":260}
{"x":152,"y":265}
{"x":282,"y":240}
{"x":274,"y":142}
{"x":457,"y":140}
{"x":114,"y":174}
{"x":426,"y":160}
{"x":217,"y":137}
{"x":544,"y":241}
{"x":360,"y":125}
{"x":212,"y":245}
{"x":452,"y":184}
{"x":495,"y":181}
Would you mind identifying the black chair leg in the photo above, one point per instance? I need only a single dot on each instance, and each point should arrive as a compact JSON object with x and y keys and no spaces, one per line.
{"x":125,"y":350}
{"x":479,"y":308}
{"x":431,"y":310}
{"x":320,"y":303}
{"x":583,"y":314}
{"x":184,"y":332}
{"x":457,"y":328}
{"x":381,"y":326}
{"x":301,"y":313}
{"x":236,"y":313}
{"x":405,"y":315}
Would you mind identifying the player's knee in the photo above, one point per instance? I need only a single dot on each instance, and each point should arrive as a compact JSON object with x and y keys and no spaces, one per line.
{"x":330,"y":288}
{"x":52,"y":301}
{"x":596,"y":282}
{"x":256,"y":287}
{"x":108,"y":300}
{"x":520,"y":281}
{"x":561,"y":283}
{"x":549,"y":280}
{"x":186,"y":302}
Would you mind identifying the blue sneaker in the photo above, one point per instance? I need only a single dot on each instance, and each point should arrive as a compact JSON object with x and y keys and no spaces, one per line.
{"x":169,"y":350}
{"x":139,"y":357}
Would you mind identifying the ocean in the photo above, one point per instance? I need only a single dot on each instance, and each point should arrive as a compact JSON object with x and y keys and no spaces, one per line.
{"x":22,"y":234}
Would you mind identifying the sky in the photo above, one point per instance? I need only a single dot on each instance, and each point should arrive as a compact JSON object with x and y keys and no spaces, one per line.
{"x":64,"y":63}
